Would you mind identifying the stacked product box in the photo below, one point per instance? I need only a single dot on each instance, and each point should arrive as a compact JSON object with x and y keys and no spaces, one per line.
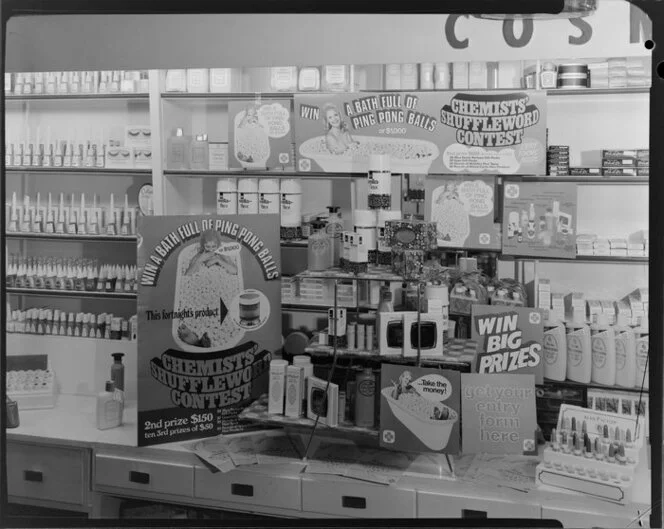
{"x":597,"y":307}
{"x":575,"y":305}
{"x":639,"y":302}
{"x":585,"y":244}
{"x":557,"y":160}
{"x":288,"y":289}
{"x":585,"y":171}
{"x":638,"y":244}
{"x":620,"y":72}
{"x":626,"y":162}
{"x":544,"y":298}
{"x":618,"y":247}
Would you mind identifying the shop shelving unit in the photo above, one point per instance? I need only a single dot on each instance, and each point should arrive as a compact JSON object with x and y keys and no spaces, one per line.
{"x":56,"y":237}
{"x":70,"y":293}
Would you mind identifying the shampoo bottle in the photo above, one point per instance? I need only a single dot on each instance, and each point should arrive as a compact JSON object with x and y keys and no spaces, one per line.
{"x":603,"y":346}
{"x":117,"y":371}
{"x":625,"y":353}
{"x":555,"y":351}
{"x":642,"y":349}
{"x":109,"y":408}
{"x":177,"y":151}
{"x":365,"y":396}
{"x":579,"y":356}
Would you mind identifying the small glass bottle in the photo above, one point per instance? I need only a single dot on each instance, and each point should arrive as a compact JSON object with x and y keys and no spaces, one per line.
{"x":200,"y":153}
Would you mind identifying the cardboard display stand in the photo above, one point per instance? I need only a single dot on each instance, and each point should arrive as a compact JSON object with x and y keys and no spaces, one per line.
{"x":209,"y":316}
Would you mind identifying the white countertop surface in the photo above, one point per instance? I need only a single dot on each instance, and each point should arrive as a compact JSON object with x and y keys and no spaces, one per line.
{"x":73,"y":423}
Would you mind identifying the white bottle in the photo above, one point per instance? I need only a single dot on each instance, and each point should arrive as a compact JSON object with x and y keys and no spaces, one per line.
{"x":268,"y":196}
{"x":579,"y":357}
{"x":226,"y":196}
{"x":642,"y":349}
{"x":277,"y":386}
{"x":291,"y":203}
{"x":393,"y":77}
{"x":603,"y":346}
{"x":247,"y":196}
{"x":555,"y":351}
{"x":625,"y":353}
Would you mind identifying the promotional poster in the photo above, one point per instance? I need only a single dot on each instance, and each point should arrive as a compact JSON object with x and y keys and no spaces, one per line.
{"x":499,"y":414}
{"x":420,"y":409}
{"x":509,"y":340}
{"x":260,"y":134}
{"x":464,"y":211}
{"x":539,"y":219}
{"x":425,"y":133}
{"x":209,"y":319}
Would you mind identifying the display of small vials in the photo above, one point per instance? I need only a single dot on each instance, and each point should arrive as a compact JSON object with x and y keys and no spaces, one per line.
{"x":54,"y":322}
{"x":32,"y":389}
{"x":82,"y":275}
{"x":598,"y":455}
{"x":626,"y":162}
{"x":74,"y":83}
{"x":70,"y":219}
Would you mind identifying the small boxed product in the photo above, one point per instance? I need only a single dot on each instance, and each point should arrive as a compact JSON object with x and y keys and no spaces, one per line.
{"x":619,"y":171}
{"x":142,"y":157}
{"x":601,"y":244}
{"x":642,"y":172}
{"x":619,"y":154}
{"x":585,"y":171}
{"x":460,"y":75}
{"x":594,"y":308}
{"x":337,"y":322}
{"x":218,"y":156}
{"x":575,"y":300}
{"x":544,"y":286}
{"x":225,"y":80}
{"x":618,"y":244}
{"x":410,"y":234}
{"x":643,"y":164}
{"x":618,"y":252}
{"x":277,"y":386}
{"x":138,"y":136}
{"x":294,"y":387}
{"x":608,"y":309}
{"x":119,"y":158}
{"x":323,"y":404}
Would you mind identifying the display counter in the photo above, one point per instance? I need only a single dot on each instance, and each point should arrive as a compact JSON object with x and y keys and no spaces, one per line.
{"x":57,"y":458}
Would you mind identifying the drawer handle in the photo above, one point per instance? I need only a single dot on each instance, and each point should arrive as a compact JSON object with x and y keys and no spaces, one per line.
{"x":353,"y":502}
{"x":33,"y":475}
{"x":139,"y":477}
{"x":242,"y":490}
{"x":469,"y":513}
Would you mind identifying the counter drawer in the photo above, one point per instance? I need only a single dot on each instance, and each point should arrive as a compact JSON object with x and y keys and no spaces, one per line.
{"x":343,"y":497}
{"x":144,"y":474}
{"x":467,"y":504}
{"x":48,"y":473}
{"x":255,"y":488}
{"x":574,"y":516}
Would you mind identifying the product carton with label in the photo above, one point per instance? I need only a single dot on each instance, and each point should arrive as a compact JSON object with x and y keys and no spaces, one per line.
{"x":594,"y":308}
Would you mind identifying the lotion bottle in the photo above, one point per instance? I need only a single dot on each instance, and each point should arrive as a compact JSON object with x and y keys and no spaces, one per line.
{"x":109,"y":408}
{"x":177,"y":151}
{"x":579,"y":355}
{"x":642,"y":349}
{"x":603,"y":345}
{"x":625,"y":353}
{"x":555,"y":350}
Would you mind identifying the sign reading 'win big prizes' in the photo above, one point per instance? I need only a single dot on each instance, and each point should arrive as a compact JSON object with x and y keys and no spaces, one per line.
{"x":209,"y":317}
{"x":509,"y":340}
{"x":432,"y":132}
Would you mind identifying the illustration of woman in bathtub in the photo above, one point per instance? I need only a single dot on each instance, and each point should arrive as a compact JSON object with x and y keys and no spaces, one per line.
{"x":337,"y":137}
{"x":210,"y":241}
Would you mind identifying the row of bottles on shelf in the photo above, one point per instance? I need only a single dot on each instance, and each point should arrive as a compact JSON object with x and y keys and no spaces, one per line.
{"x":72,"y":219}
{"x":596,"y":341}
{"x":81,"y":275}
{"x":73,"y":83}
{"x":133,"y":150}
{"x":56,"y":322}
{"x":295,"y":392}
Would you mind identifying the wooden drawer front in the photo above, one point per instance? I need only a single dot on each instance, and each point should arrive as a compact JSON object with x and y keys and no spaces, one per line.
{"x":140,"y":474}
{"x":571,"y":517}
{"x":47,"y":473}
{"x":355,"y":499}
{"x":464,"y":505}
{"x":239,"y":486}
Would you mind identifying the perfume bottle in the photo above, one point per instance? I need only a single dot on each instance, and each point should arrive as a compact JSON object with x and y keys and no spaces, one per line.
{"x":177,"y":151}
{"x":199,"y":153}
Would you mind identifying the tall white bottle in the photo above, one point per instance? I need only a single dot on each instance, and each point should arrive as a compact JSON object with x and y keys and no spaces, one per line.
{"x":603,"y":346}
{"x":579,"y":357}
{"x":642,"y":349}
{"x":555,"y":351}
{"x":625,"y":353}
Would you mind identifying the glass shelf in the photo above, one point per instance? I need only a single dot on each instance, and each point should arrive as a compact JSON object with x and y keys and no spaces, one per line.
{"x":71,"y":238}
{"x":78,"y":97}
{"x":592,"y":385}
{"x":595,"y":180}
{"x":240,"y":173}
{"x":579,"y":259}
{"x":374,"y":274}
{"x":79,"y":170}
{"x":71,"y":293}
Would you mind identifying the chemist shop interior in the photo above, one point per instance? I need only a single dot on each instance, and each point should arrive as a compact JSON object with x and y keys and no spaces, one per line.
{"x":254,"y":281}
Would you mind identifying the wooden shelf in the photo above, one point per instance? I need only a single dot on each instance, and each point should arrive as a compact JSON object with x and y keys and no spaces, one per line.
{"x":71,"y":238}
{"x":70,"y":293}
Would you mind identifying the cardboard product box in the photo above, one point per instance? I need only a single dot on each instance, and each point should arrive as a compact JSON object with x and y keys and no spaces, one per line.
{"x":619,"y":162}
{"x":601,"y":244}
{"x":544,"y":285}
{"x":642,"y":172}
{"x":620,"y":153}
{"x":619,"y":171}
{"x":618,"y":244}
{"x":594,"y":308}
{"x":585,"y":171}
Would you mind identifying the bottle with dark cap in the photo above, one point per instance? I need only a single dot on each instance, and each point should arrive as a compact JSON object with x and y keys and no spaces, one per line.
{"x":117,"y":371}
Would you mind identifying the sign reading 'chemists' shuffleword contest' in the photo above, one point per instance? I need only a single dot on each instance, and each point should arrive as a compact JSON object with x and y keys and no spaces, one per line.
{"x":209,"y":321}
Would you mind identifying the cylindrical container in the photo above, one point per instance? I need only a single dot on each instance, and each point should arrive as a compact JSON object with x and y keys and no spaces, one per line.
{"x":350,"y":335}
{"x":442,"y":76}
{"x":384,"y":250}
{"x":116,"y":328}
{"x":336,"y":327}
{"x":364,"y":221}
{"x":380,"y":182}
{"x":342,"y":407}
{"x":277,"y":386}
{"x":426,"y":76}
{"x":574,"y":75}
{"x":365,"y":396}
{"x":320,"y":253}
{"x":12,"y":414}
{"x":409,"y":76}
{"x":492,"y":74}
{"x":250,"y":309}
{"x":360,"y":333}
{"x":369,"y":334}
{"x":117,"y":371}
{"x":548,"y":75}
{"x":268,"y":196}
{"x":393,"y":77}
{"x":291,"y":209}
{"x":247,"y":196}
{"x":227,"y":196}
